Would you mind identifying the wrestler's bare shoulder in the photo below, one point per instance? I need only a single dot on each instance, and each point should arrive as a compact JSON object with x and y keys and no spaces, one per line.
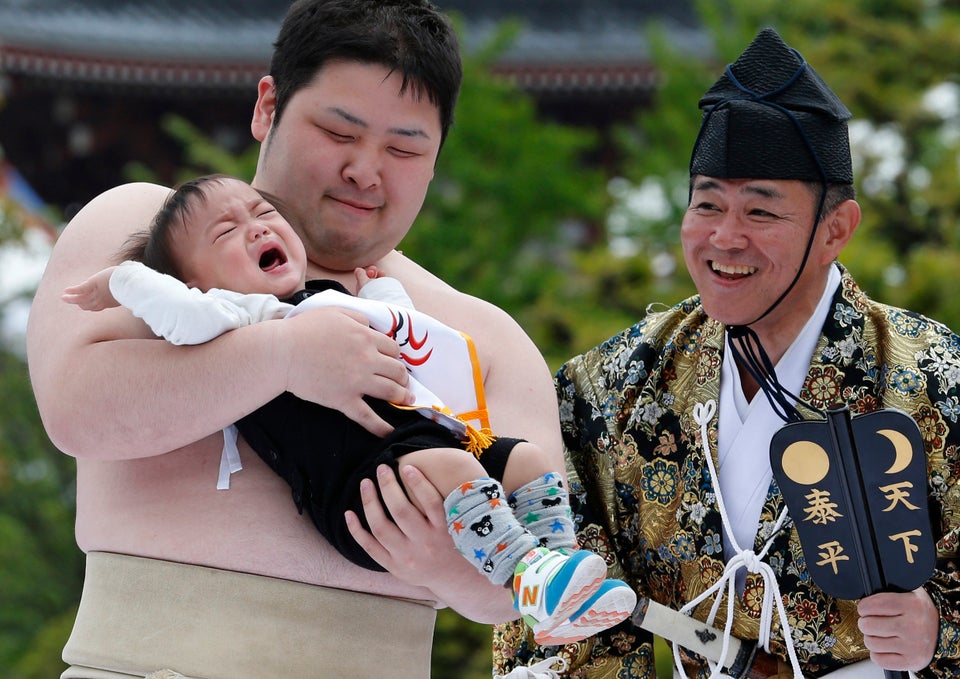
{"x":118,"y":211}
{"x":168,"y":507}
{"x":431,"y":295}
{"x":518,"y":384}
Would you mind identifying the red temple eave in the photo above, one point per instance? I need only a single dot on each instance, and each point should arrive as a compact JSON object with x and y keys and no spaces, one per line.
{"x":45,"y":64}
{"x":75,"y":68}
{"x":581,"y":77}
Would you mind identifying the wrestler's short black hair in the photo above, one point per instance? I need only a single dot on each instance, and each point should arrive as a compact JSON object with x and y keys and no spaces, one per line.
{"x":409,"y":37}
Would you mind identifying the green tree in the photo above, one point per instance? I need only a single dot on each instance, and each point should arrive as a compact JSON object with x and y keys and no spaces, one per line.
{"x":891,"y":62}
{"x":506,"y":184}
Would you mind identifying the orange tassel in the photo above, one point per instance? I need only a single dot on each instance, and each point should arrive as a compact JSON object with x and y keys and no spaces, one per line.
{"x":478,"y":440}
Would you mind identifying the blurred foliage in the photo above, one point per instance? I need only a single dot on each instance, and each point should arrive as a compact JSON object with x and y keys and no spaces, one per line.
{"x":11,"y":221}
{"x":200,"y":155}
{"x":40,"y":566}
{"x":515,"y":216}
{"x":506,"y":185}
{"x":893,"y":63}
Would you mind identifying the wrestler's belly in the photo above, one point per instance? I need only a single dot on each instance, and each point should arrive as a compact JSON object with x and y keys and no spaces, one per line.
{"x":168,"y":507}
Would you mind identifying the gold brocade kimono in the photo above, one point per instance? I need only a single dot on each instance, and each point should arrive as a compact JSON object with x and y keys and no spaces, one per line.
{"x":642,"y":491}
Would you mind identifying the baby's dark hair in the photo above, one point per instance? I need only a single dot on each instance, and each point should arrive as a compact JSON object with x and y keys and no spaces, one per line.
{"x":154,"y":246}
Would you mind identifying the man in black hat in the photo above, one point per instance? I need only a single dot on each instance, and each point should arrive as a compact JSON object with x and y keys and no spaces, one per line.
{"x":667,"y":425}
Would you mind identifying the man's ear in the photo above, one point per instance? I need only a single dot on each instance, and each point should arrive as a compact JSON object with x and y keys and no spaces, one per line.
{"x":839,"y":227}
{"x":264,"y":108}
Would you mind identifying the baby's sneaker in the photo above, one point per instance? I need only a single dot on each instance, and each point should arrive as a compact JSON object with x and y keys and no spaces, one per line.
{"x":612,"y":603}
{"x":549,"y":586}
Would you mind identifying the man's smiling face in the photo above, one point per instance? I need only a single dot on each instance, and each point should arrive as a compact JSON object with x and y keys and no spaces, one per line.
{"x":743,"y":242}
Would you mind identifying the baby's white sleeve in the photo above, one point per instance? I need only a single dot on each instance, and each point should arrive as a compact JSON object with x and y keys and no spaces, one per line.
{"x":184,"y":315}
{"x":386,"y":289}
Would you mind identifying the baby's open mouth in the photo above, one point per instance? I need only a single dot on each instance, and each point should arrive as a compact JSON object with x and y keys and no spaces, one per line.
{"x":272,"y":258}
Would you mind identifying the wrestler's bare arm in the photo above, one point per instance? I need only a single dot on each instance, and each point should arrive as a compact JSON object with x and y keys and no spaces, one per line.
{"x":416,"y":547}
{"x":519,"y":386}
{"x":129,"y":395}
{"x":522,"y":402}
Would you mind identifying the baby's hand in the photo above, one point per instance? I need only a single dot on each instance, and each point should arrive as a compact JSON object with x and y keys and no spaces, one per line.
{"x":94,"y":293}
{"x":365,"y":275}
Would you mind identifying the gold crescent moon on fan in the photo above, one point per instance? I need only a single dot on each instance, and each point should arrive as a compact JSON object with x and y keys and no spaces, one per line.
{"x":903,"y":448}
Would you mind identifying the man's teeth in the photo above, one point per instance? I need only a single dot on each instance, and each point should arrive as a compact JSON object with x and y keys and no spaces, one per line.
{"x":733,"y":270}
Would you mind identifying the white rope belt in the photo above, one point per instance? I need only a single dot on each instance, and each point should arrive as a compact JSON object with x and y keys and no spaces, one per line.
{"x":744,"y":558}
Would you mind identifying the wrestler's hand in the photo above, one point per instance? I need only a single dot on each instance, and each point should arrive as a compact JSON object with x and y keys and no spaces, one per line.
{"x":417,"y":548}
{"x":900,"y":629}
{"x":417,"y":540}
{"x":334,"y":358}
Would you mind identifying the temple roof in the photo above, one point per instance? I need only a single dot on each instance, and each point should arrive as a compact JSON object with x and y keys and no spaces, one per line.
{"x":85,"y":85}
{"x":583,"y":44}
